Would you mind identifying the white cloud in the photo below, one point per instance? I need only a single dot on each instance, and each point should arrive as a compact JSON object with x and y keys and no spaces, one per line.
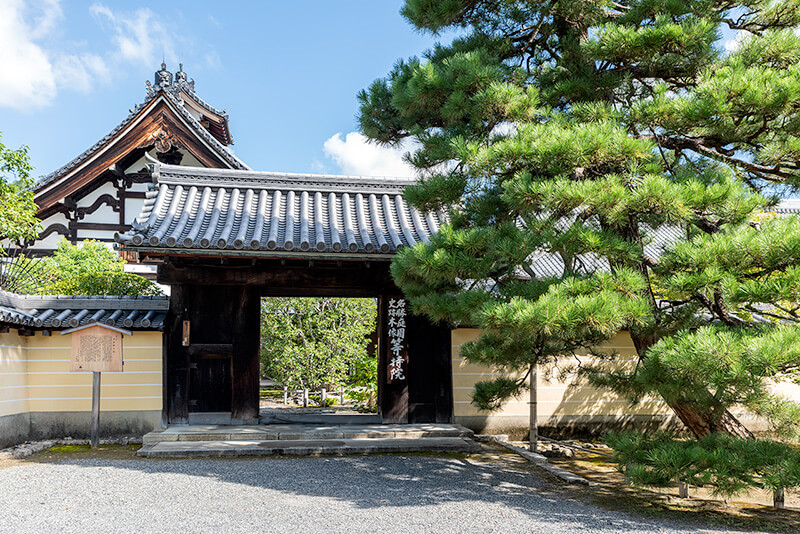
{"x":357,"y":156}
{"x":732,"y":45}
{"x":28,"y":79}
{"x":212,"y":60}
{"x":32,"y":73}
{"x":139,"y":36}
{"x":36,"y":66}
{"x":81,"y":72}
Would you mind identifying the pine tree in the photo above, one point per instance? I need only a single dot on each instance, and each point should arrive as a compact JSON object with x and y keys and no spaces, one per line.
{"x":570,"y":133}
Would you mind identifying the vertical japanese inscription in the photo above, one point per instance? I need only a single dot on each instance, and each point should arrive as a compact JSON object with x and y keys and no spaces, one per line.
{"x":398,"y":348}
{"x":97,"y":348}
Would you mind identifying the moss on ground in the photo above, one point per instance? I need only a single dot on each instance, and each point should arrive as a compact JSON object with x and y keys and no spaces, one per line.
{"x":71,"y":452}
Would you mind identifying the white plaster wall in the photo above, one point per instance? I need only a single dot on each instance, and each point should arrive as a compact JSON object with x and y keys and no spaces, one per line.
{"x":105,"y":189}
{"x":94,"y":234}
{"x":133,"y":206}
{"x":51,"y":241}
{"x":104,"y":214}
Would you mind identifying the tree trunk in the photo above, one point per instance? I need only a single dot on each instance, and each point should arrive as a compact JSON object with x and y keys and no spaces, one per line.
{"x":698,"y":423}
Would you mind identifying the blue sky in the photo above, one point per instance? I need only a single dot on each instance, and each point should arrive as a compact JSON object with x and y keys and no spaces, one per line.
{"x":286,"y":72}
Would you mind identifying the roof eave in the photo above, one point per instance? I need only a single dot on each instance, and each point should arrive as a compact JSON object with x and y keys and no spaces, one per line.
{"x":257,"y":254}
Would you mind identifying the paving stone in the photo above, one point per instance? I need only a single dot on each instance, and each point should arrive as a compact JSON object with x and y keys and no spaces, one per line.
{"x":302,"y":431}
{"x":309,"y":435}
{"x":178,"y":449}
{"x":203,"y":436}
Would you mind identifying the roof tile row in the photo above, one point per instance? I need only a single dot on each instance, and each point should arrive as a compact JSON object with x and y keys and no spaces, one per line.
{"x":192,"y":207}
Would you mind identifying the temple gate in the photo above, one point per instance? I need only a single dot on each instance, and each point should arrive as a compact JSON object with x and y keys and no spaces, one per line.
{"x":227,"y":238}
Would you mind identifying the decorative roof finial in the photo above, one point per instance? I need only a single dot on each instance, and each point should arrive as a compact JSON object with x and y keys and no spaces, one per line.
{"x":180,"y":76}
{"x":163,"y":76}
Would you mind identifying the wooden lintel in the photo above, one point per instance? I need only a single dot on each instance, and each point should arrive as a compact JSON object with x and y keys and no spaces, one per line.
{"x":276,"y":278}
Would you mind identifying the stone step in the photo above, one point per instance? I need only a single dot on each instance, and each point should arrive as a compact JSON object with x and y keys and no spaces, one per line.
{"x":305,"y":447}
{"x":216,"y":433}
{"x":279,"y":417}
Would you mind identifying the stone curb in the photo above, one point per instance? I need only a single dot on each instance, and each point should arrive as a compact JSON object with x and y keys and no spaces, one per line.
{"x":539,"y":460}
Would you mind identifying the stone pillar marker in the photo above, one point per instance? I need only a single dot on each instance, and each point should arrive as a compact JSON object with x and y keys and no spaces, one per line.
{"x":96,"y":348}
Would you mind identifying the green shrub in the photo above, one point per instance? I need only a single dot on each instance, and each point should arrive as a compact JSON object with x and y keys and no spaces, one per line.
{"x":329,"y":401}
{"x":726,"y":464}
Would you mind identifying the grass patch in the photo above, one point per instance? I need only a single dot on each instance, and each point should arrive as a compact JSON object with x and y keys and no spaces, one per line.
{"x":71,"y":452}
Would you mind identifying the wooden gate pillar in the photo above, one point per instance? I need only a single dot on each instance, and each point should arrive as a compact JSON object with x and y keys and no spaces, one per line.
{"x":430,"y":373}
{"x":246,"y":357}
{"x":393,"y":358}
{"x":175,"y":359}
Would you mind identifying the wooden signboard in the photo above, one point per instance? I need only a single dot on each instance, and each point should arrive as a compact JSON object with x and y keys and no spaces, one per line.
{"x":96,"y":348}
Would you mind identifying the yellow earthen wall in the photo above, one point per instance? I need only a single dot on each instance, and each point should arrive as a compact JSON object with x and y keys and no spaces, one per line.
{"x":35,"y":376}
{"x":570,"y":400}
{"x":13,"y":374}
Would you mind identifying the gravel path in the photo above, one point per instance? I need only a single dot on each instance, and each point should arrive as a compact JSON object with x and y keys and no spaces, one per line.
{"x":320,"y":495}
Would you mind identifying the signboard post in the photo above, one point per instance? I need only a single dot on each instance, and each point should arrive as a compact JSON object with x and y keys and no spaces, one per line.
{"x":96,"y":348}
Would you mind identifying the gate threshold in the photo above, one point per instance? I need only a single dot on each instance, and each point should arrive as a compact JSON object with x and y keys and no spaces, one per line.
{"x":301,"y":439}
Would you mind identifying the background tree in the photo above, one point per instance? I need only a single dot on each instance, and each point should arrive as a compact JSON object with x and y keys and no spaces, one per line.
{"x":18,"y":220}
{"x":92,"y":269}
{"x":317,"y":342}
{"x":572,"y":144}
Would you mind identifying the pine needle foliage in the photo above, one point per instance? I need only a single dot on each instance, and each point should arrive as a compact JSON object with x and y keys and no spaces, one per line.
{"x":727,"y":465}
{"x":577,"y":131}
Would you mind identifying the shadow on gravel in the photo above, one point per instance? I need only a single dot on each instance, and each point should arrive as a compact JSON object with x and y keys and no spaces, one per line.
{"x":379,"y":481}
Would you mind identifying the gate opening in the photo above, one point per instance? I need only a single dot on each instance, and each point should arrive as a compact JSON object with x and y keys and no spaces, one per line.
{"x":318,"y":359}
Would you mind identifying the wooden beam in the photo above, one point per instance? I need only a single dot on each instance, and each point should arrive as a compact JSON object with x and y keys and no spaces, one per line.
{"x":246,"y":357}
{"x":176,"y":359}
{"x":116,"y":170}
{"x":325,"y":278}
{"x":393,"y":393}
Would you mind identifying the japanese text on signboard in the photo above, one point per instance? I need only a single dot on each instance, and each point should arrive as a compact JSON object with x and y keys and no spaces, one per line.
{"x":96,"y":350}
{"x":397,"y":355}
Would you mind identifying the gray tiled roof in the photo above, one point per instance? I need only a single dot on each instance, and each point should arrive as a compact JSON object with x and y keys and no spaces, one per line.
{"x":548,"y":264}
{"x":262,"y":213}
{"x":170,"y":93}
{"x":789,"y":206}
{"x":257,"y":213}
{"x":60,"y":311}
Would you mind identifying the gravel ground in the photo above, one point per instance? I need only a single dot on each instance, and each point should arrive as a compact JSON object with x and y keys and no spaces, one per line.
{"x":342,"y":494}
